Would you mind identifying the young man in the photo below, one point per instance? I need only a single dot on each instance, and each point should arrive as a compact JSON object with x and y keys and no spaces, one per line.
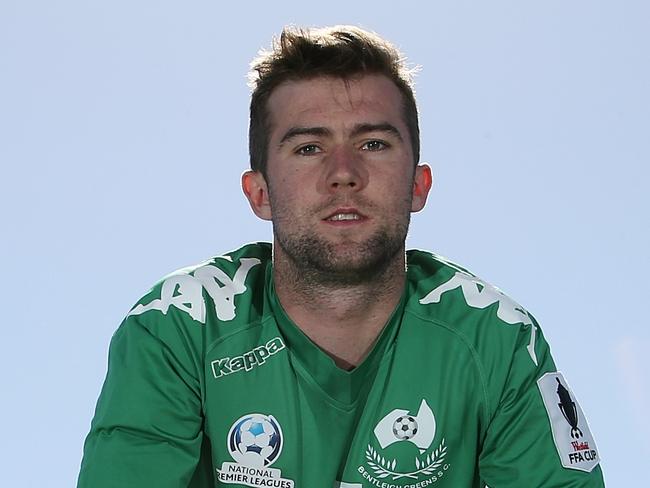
{"x":334,"y":358}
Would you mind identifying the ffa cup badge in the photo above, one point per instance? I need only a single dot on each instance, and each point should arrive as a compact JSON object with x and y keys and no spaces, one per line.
{"x":573,"y":440}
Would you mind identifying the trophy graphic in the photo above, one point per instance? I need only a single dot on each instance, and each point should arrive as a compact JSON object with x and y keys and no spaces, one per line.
{"x":568,"y":409}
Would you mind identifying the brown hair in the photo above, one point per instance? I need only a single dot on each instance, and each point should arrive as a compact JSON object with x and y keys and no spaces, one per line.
{"x":341,"y":51}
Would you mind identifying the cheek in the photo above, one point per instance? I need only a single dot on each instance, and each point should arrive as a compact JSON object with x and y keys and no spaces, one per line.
{"x":284,"y":200}
{"x":293,"y":189}
{"x":398,"y":201}
{"x":395,"y":187}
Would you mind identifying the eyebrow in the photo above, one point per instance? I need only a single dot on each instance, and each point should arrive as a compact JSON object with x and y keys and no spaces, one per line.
{"x":304,"y":131}
{"x":358,"y":130}
{"x":380,"y":127}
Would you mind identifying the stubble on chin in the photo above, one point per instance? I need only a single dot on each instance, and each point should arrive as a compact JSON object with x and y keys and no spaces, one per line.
{"x":317,"y":262}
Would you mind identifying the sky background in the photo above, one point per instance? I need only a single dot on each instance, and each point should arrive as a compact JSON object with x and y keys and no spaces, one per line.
{"x":123,"y":136}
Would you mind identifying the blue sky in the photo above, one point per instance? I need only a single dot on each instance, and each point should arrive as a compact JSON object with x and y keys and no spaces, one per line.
{"x":123,"y":137}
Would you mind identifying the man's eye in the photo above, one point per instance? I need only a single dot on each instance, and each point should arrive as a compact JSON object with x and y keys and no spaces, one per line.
{"x":308,"y":150}
{"x":374,"y":146}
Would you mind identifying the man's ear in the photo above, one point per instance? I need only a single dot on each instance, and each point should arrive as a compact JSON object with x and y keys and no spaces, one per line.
{"x":421,"y":185}
{"x":257,"y":192}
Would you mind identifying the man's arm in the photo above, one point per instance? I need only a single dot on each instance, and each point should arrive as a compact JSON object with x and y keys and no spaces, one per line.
{"x":147,"y":429}
{"x":538,"y":436}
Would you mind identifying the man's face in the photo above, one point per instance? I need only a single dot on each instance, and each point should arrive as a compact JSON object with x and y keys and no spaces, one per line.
{"x":341,"y":179}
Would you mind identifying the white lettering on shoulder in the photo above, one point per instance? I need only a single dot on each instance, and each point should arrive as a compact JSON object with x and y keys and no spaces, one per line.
{"x":479,"y":294}
{"x":185,"y":292}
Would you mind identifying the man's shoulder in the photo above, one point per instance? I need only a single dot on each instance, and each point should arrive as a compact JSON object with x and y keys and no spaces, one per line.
{"x":210,"y":289}
{"x":451,"y":308}
{"x":449,"y":295}
{"x":439,"y":281}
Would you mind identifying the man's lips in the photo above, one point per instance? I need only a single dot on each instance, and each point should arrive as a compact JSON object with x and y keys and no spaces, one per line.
{"x":346,"y":214}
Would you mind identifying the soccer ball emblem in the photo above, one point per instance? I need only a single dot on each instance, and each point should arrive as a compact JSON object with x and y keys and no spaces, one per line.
{"x":405,"y":427}
{"x":255,"y":440}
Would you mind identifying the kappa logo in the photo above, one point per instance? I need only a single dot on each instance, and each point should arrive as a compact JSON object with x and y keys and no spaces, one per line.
{"x":479,"y":294}
{"x":573,"y":440}
{"x":248,"y":360}
{"x":185,"y":291}
{"x":395,"y":432}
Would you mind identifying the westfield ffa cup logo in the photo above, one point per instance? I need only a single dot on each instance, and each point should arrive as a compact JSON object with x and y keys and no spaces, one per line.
{"x":571,"y":435}
{"x":403,"y":435}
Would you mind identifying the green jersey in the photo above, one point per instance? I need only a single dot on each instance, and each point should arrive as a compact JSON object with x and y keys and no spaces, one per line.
{"x":210,"y":384}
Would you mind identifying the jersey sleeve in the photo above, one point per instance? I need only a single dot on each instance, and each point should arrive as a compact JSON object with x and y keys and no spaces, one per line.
{"x":536,"y":437}
{"x":147,"y":428}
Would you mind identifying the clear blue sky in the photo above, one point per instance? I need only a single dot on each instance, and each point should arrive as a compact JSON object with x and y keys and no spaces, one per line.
{"x":123,"y":136}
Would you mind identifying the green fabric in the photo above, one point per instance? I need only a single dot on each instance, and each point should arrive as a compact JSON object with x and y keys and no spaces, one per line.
{"x":208,"y":357}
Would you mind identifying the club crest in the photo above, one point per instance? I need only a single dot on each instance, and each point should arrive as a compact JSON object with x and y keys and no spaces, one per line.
{"x":402,"y":449}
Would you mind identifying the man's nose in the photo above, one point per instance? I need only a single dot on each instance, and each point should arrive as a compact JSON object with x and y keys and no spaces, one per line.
{"x":345,"y":170}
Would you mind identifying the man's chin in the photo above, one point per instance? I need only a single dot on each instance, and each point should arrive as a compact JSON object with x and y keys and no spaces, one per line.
{"x":342,"y":261}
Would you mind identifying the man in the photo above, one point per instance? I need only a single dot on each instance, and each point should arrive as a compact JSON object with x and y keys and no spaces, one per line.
{"x":334,"y":358}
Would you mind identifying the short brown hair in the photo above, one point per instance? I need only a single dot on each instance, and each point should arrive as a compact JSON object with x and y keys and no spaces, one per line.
{"x":340,"y":51}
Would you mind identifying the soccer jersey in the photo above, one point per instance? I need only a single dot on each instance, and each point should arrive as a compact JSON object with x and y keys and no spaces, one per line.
{"x":210,"y":384}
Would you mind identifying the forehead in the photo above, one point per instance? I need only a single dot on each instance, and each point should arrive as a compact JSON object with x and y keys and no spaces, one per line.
{"x":329,"y":101}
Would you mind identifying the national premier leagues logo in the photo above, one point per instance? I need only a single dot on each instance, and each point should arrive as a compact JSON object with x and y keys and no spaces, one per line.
{"x":255,"y":443}
{"x":255,"y":440}
{"x":403,"y":435}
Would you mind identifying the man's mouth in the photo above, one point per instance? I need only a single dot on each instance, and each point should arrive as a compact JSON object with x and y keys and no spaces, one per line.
{"x":344,"y":216}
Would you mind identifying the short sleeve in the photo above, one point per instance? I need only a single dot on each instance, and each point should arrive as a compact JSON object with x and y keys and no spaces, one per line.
{"x":147,"y":428}
{"x":528,"y":437}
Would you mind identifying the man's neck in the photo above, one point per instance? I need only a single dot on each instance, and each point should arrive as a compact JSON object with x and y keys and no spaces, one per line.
{"x":343,"y":320}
